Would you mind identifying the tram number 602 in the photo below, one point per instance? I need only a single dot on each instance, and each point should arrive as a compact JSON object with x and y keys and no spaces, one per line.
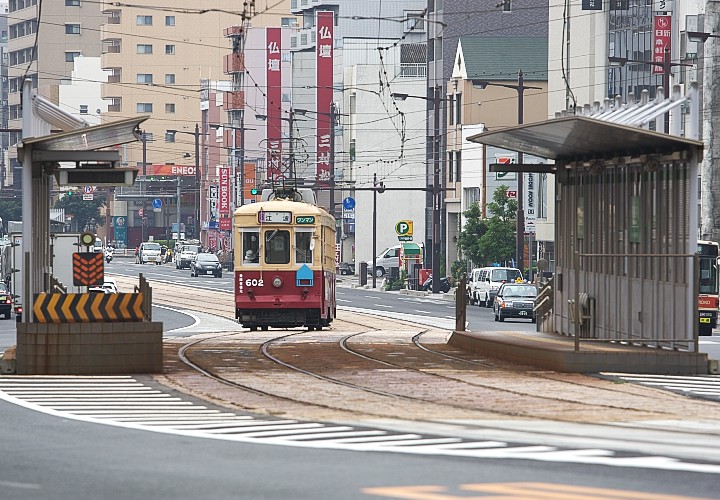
{"x":254,"y":282}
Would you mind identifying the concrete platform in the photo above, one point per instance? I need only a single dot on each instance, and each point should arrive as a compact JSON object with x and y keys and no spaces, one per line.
{"x":557,"y":353}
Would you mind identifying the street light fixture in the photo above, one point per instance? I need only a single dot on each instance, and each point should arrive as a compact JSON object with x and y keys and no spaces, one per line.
{"x":196,"y":134}
{"x":699,"y":36}
{"x":520,"y":215}
{"x":437,"y":202}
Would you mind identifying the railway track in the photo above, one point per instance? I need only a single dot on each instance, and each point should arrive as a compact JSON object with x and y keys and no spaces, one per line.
{"x":372,"y":368}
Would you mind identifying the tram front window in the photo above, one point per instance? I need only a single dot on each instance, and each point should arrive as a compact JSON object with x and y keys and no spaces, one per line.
{"x":277,"y":247}
{"x":303,"y":252}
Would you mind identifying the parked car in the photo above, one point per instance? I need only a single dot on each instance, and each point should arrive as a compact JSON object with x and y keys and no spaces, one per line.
{"x":445,"y":285}
{"x":515,"y":300}
{"x":346,"y":268}
{"x":486,"y":281}
{"x":206,"y":263}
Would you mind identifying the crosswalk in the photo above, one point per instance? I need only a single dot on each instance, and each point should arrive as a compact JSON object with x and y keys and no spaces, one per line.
{"x":126,"y":402}
{"x":704,"y":386}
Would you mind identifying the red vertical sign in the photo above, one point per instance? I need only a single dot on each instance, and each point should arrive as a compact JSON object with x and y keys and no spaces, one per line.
{"x":662,"y":38}
{"x":324,"y":63}
{"x":274,"y":102}
{"x":224,"y":195}
{"x":250,"y":182}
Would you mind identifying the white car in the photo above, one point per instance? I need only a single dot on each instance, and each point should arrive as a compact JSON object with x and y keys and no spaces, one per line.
{"x":108,"y":286}
{"x":150,"y":253}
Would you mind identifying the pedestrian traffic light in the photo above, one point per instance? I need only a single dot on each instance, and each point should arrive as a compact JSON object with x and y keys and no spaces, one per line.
{"x":254,"y":191}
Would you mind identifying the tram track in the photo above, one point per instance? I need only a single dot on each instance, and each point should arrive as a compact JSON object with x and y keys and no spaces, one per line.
{"x":354,"y":374}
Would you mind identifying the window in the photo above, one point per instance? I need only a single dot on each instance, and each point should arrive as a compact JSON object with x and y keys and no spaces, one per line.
{"x":414,"y":21}
{"x":288,"y":21}
{"x":169,"y":107}
{"x":451,"y":109}
{"x":83,"y":109}
{"x":144,"y":20}
{"x":72,"y":29}
{"x":170,"y":78}
{"x":303,"y":252}
{"x":277,"y":246}
{"x":72,"y":3}
{"x":170,"y":50}
{"x":507,"y":6}
{"x":458,"y":109}
{"x":250,"y":247}
{"x":450,"y":166}
{"x":169,"y":137}
{"x":70,"y":56}
{"x":144,"y":107}
{"x":169,"y":20}
{"x":144,"y":48}
{"x":458,"y":166}
{"x":144,"y":78}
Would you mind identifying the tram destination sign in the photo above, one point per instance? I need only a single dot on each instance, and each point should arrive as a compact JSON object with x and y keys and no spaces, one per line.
{"x":274,"y":217}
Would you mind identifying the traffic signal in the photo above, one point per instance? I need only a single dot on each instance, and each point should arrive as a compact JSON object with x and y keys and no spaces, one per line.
{"x":254,"y":191}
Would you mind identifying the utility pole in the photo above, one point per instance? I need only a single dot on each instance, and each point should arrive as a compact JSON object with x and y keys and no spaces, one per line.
{"x":520,"y":217}
{"x":333,"y":117}
{"x":436,"y":192}
{"x":197,"y":181}
{"x":144,"y":185}
{"x":710,"y":186}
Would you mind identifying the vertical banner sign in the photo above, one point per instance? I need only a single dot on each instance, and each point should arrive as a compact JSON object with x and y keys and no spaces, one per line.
{"x":530,"y":201}
{"x":324,"y":64}
{"x":591,"y":4}
{"x":662,"y":36}
{"x":224,"y":194}
{"x":274,"y":103}
{"x":250,"y":182}
{"x":120,"y":231}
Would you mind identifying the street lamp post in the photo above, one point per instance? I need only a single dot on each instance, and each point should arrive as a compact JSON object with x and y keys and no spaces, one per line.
{"x":520,"y":214}
{"x":436,"y":189}
{"x":196,"y":134}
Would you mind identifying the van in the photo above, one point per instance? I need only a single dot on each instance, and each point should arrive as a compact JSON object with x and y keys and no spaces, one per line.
{"x":98,"y":248}
{"x":185,"y":253}
{"x":390,"y":257}
{"x":149,"y":252}
{"x":487,"y":281}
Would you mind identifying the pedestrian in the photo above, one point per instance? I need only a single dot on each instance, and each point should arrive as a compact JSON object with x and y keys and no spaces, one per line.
{"x":137,"y":254}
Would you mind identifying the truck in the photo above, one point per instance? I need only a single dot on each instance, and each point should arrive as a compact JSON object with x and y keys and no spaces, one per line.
{"x":62,"y":246}
{"x":185,"y":253}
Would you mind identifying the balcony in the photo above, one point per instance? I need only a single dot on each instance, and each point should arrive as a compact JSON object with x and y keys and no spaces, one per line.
{"x":234,"y":63}
{"x":113,"y":20}
{"x":116,"y":75}
{"x":228,"y":138}
{"x":234,"y":101}
{"x":233,"y":31}
{"x":112,"y":49}
{"x":115,"y":105}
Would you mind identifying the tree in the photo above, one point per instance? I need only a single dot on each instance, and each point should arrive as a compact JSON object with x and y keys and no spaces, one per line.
{"x":486,"y":241}
{"x":10,"y":209}
{"x":82,"y":210}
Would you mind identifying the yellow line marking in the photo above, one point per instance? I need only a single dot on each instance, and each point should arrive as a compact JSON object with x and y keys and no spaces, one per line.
{"x":519,"y":491}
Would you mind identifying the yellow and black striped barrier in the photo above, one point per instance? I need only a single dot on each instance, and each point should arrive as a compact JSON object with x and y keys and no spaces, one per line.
{"x":87,"y":307}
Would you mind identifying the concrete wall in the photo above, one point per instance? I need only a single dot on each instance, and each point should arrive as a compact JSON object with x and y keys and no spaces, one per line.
{"x":89,"y":348}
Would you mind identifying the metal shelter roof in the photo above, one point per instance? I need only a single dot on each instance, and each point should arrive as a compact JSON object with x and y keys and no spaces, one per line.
{"x":579,"y":138}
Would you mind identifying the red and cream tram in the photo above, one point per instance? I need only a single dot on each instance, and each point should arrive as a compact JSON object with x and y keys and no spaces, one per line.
{"x":284,"y":264}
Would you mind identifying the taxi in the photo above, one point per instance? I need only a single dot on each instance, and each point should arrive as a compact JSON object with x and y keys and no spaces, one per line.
{"x":6,"y":301}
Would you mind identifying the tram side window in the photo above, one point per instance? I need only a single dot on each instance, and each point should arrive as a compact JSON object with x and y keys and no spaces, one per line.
{"x":251,"y":247}
{"x":708,"y":276}
{"x":277,"y":247}
{"x":303,"y":252}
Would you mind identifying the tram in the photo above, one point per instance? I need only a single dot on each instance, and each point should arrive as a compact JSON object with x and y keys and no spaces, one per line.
{"x":709,"y":291}
{"x":284,"y":263}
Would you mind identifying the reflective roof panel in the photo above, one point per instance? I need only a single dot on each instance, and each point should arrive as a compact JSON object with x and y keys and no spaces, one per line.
{"x":576,"y":138}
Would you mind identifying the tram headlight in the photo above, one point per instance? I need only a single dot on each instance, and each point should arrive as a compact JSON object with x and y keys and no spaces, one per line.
{"x":277,"y":282}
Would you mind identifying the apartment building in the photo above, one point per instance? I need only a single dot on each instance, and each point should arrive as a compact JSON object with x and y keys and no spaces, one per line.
{"x":42,"y":47}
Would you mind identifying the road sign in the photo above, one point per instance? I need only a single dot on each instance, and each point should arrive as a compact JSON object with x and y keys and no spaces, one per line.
{"x":349,"y":203}
{"x":88,"y":190}
{"x":512,"y":194}
{"x":404,"y":228}
{"x":157,"y":203}
{"x":88,"y":197}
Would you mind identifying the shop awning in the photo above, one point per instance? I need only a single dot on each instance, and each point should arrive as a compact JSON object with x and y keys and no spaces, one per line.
{"x":410,"y":248}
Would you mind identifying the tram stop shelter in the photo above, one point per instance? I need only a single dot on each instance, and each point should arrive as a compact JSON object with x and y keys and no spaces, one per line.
{"x":624,"y":292}
{"x":63,"y":333}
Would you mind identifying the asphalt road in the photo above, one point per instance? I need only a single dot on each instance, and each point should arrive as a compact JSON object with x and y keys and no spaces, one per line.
{"x":53,"y":455}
